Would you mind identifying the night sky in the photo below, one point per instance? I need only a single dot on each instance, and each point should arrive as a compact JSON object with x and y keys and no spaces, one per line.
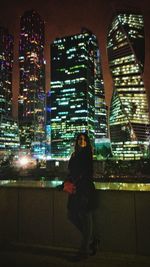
{"x":67,"y":17}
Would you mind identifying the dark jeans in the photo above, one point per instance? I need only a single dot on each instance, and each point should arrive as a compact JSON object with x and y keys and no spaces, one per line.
{"x":83,"y":220}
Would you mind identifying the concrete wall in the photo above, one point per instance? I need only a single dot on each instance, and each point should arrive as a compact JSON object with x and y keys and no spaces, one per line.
{"x":38,"y":216}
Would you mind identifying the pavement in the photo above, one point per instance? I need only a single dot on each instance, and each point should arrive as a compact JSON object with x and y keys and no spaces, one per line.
{"x":62,"y":257}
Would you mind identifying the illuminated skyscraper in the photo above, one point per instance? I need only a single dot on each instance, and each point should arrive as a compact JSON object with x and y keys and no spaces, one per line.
{"x":129,"y":118}
{"x":77,"y":93}
{"x":6,"y":63}
{"x":32,"y":80}
{"x":9,"y":135}
{"x":48,"y":123}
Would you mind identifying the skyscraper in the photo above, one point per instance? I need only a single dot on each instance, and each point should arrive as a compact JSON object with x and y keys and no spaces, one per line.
{"x":6,"y":63}
{"x":32,"y":80}
{"x":77,"y":93}
{"x":48,"y":124}
{"x":129,"y":118}
{"x":9,"y":135}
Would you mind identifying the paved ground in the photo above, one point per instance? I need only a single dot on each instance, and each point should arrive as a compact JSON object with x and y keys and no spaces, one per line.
{"x":52,"y":257}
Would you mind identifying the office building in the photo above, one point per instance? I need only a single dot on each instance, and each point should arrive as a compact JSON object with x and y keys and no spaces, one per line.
{"x":77,"y":92}
{"x":6,"y":64}
{"x":48,"y":124}
{"x":9,"y":136}
{"x":32,"y":81}
{"x":129,"y":116}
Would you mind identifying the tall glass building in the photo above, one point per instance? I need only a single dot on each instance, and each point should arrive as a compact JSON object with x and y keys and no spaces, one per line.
{"x":48,"y":124}
{"x":6,"y":63}
{"x":32,"y":80}
{"x":129,"y":116}
{"x":77,"y":92}
{"x":9,"y":135}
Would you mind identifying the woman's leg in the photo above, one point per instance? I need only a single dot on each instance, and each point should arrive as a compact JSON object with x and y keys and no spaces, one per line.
{"x":87,"y":231}
{"x":83,"y":221}
{"x":75,"y":218}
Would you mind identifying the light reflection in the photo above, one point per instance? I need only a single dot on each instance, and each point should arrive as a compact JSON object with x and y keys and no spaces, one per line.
{"x":123,"y":186}
{"x":116,"y":186}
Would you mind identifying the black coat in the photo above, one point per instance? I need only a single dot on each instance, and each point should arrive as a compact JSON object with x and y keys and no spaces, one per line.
{"x":81,"y":174}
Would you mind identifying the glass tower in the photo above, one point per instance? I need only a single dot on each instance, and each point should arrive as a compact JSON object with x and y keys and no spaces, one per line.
{"x":48,"y":124}
{"x":6,"y":63}
{"x":129,"y":116}
{"x":32,"y":80}
{"x":77,"y":93}
{"x":9,"y":135}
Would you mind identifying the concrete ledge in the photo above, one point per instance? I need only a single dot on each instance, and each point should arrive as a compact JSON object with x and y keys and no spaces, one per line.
{"x":38,"y":216}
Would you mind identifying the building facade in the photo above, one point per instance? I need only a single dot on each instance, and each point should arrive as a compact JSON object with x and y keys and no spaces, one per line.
{"x":6,"y":64}
{"x":32,"y":81}
{"x":77,"y":93}
{"x":129,"y":116}
{"x":48,"y":125}
{"x":9,"y":134}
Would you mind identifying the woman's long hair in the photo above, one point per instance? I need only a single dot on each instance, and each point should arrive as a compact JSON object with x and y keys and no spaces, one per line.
{"x":88,"y":148}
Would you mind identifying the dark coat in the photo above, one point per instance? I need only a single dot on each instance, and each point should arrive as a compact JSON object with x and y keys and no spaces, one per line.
{"x":81,"y":174}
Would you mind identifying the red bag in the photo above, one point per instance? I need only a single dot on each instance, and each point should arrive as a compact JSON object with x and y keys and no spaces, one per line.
{"x":69,"y":187}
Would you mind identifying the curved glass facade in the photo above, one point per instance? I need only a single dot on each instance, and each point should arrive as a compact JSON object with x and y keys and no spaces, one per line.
{"x":129,"y":116}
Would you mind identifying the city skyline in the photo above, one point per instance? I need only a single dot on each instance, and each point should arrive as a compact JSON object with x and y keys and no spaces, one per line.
{"x":64,"y":18}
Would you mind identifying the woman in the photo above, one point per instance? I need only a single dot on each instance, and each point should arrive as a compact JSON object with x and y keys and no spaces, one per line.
{"x":81,"y":202}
